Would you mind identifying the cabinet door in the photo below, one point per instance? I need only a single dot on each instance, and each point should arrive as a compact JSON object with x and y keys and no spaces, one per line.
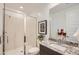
{"x":46,"y":51}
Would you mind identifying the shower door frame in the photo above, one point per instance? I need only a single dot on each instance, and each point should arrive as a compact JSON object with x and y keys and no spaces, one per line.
{"x":4,"y":29}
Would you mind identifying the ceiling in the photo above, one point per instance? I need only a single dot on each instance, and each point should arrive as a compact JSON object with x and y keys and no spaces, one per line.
{"x":28,"y":7}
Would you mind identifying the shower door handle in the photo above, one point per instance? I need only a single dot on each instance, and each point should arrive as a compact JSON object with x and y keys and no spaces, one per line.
{"x":0,"y":39}
{"x":24,"y":39}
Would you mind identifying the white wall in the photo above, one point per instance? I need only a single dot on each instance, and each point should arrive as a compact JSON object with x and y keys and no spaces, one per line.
{"x":44,"y":15}
{"x":67,"y":18}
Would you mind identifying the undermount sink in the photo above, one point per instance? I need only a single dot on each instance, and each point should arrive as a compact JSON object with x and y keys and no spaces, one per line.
{"x":56,"y":46}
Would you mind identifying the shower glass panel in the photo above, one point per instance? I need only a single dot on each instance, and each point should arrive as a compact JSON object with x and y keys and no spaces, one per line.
{"x":1,"y":28}
{"x":14,"y":30}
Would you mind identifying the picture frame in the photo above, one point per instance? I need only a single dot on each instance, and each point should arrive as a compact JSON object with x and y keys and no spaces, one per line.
{"x":42,"y":27}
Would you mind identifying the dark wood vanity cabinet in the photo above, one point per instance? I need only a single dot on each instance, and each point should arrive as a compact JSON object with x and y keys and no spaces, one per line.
{"x":46,"y":51}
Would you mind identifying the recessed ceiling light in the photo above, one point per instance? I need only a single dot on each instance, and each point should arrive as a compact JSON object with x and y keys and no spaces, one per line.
{"x":21,"y":7}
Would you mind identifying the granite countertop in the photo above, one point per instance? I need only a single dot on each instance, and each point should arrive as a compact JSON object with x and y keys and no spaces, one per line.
{"x":61,"y":48}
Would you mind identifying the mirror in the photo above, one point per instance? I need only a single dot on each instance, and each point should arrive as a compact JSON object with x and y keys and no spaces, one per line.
{"x":65,"y":16}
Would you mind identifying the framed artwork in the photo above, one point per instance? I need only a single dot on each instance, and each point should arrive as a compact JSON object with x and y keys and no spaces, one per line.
{"x":42,"y":27}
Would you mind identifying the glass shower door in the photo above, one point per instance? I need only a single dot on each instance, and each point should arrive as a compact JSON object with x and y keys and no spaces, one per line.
{"x":1,"y":28}
{"x":14,"y":31}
